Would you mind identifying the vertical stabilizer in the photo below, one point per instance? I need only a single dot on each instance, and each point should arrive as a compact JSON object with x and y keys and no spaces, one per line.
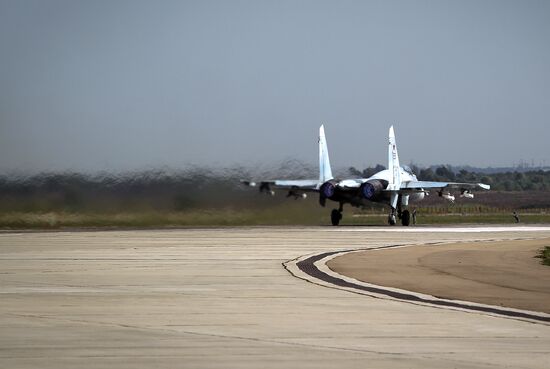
{"x":325,"y":173}
{"x":393,"y":163}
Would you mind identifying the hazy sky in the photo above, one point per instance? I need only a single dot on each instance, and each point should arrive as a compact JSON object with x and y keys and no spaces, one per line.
{"x":122,"y":85}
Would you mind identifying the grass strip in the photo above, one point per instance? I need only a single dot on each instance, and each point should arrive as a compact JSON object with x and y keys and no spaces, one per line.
{"x":232,"y":217}
{"x":544,"y":255}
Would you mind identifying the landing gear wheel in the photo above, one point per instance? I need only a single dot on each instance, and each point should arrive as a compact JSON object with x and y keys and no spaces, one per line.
{"x":391,"y":219}
{"x":335,"y":217}
{"x":406,"y":218}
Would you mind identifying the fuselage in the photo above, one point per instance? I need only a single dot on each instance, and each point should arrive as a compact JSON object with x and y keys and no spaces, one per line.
{"x":357,"y":200}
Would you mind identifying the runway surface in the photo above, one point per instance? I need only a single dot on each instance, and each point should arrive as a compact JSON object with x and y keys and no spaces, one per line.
{"x":220,"y":298}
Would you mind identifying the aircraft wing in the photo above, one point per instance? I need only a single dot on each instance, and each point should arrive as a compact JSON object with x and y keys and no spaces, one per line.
{"x":305,"y":185}
{"x":423,"y":185}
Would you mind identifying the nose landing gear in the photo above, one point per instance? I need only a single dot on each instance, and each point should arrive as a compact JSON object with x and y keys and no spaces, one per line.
{"x":391,"y":219}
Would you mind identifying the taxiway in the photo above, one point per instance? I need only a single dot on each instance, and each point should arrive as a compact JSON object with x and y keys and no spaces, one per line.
{"x":220,"y":298}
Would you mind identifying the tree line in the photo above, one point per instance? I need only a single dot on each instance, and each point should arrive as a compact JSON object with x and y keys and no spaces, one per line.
{"x":537,"y":180}
{"x":200,"y":188}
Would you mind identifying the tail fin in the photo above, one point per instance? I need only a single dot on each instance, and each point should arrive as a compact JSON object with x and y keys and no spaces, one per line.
{"x":393,"y":163}
{"x":325,"y":173}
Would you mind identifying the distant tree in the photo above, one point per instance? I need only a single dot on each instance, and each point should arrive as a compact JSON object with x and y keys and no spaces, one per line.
{"x":379,"y":167}
{"x":509,"y":185}
{"x":487,"y":180}
{"x":354,"y":172}
{"x":426,"y":174}
{"x":415,"y":169}
{"x":445,"y":174}
{"x":372,"y":170}
{"x":465,"y":176}
{"x":537,"y":179}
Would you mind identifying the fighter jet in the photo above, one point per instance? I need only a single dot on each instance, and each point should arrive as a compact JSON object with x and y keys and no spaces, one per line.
{"x":396,"y":186}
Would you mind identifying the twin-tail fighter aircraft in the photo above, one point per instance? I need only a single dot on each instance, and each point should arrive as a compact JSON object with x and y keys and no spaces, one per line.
{"x":396,"y":186}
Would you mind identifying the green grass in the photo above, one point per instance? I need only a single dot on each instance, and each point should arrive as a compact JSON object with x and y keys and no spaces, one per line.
{"x":544,"y":255}
{"x":287,"y":214}
{"x":276,"y":215}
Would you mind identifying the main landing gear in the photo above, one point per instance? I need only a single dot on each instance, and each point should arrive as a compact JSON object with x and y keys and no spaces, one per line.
{"x":336,"y":215}
{"x":406,"y":218}
{"x":404,"y":215}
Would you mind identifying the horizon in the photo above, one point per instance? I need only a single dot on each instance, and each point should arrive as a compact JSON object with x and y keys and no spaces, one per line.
{"x":283,"y":167}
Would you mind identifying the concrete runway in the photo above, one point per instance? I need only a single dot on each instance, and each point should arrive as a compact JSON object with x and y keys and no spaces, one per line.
{"x":220,"y":298}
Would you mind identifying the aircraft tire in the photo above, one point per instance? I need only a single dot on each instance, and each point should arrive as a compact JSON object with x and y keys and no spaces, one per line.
{"x":335,"y":217}
{"x":406,"y":218}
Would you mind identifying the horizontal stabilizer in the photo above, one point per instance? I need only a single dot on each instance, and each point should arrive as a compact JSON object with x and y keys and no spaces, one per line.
{"x":299,"y":183}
